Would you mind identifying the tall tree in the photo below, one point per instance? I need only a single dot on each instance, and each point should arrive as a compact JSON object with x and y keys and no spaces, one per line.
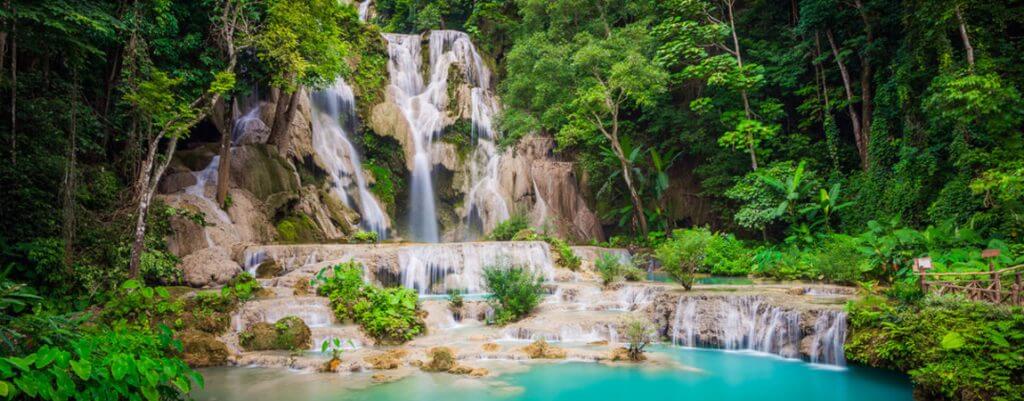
{"x":300,"y":44}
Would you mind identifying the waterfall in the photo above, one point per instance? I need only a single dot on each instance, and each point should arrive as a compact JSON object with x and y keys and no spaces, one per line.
{"x":364,"y":10}
{"x":686,"y":319}
{"x":829,"y":336}
{"x":737,"y":323}
{"x":334,"y":118}
{"x":424,"y":104}
{"x":483,"y":201}
{"x":208,"y":175}
{"x":434,"y":269}
{"x":246,"y":113}
{"x":421,"y":108}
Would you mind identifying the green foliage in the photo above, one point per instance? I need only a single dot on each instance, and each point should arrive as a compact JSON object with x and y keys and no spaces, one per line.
{"x":953,"y":349}
{"x":289,"y":333}
{"x":507,"y":229}
{"x":699,"y":250}
{"x":566,"y":257}
{"x":514,"y":292}
{"x":136,"y":305}
{"x":383,"y":183}
{"x":455,"y":298}
{"x":301,"y":42}
{"x":365,"y":237}
{"x":608,"y":267}
{"x":298,"y":228}
{"x":109,"y":364}
{"x":388,"y":314}
{"x":242,"y":287}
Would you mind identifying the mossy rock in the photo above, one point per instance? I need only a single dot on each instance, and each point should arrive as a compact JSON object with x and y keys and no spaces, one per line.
{"x":289,"y":333}
{"x":201,"y":349}
{"x":442,"y":359}
{"x":268,"y":269}
{"x":262,"y":171}
{"x":298,"y":228}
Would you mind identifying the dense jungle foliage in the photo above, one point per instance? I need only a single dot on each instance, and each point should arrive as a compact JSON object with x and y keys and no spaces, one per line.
{"x":829,"y":140}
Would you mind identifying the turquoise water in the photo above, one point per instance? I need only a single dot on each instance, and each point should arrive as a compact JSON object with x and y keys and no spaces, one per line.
{"x":720,"y":376}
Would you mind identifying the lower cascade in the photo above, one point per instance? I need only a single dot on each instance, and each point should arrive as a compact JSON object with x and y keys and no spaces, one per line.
{"x":750,"y":322}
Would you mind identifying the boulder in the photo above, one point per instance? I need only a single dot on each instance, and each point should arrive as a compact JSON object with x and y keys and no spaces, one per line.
{"x":201,"y":349}
{"x":442,"y":359}
{"x":390,"y":359}
{"x":176,"y":182}
{"x":261,"y":171}
{"x":268,"y":269}
{"x":209,"y":266}
{"x":386,"y":119}
{"x":491,"y":347}
{"x":289,"y":333}
{"x":540,"y":349}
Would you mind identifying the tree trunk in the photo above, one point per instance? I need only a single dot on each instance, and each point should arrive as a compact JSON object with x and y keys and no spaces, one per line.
{"x":743,"y":92}
{"x":854,"y":117}
{"x":867,"y":104}
{"x":283,"y":116}
{"x":68,"y":226}
{"x":638,"y":207}
{"x":966,"y":39}
{"x":226,"y":127}
{"x":14,"y":90}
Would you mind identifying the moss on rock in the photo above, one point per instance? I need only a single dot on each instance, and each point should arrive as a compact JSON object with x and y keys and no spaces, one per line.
{"x":201,"y":349}
{"x":289,"y":333}
{"x":268,"y":269}
{"x":442,"y":359}
{"x":298,"y":228}
{"x":540,"y":349}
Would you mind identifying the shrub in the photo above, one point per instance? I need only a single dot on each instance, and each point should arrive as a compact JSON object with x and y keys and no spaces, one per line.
{"x":455,"y":298}
{"x":514,"y":292}
{"x":390,"y":314}
{"x":838,"y":260}
{"x":608,"y":267}
{"x":638,"y":332}
{"x":242,"y":287}
{"x":507,"y":229}
{"x":365,"y":237}
{"x":782,"y":264}
{"x":632,"y":273}
{"x":952,"y":349}
{"x":98,"y":365}
{"x":681,"y":256}
{"x":726,"y":256}
{"x":566,"y":257}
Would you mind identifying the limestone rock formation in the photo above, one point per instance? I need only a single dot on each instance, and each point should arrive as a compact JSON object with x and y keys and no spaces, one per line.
{"x":530,"y":175}
{"x":209,"y":266}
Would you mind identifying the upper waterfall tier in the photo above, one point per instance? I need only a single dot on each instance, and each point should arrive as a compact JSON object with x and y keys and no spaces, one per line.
{"x":425,"y":107}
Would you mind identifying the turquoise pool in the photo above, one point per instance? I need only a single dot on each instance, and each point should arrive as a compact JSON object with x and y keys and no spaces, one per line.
{"x":720,"y":375}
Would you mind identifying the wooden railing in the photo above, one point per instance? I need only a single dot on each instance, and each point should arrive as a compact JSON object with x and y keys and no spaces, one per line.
{"x":1002,"y":286}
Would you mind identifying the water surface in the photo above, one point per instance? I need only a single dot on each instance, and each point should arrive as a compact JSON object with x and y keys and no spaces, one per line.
{"x":719,"y":375}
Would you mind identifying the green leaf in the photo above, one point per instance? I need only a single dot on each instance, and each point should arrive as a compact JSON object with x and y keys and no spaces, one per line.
{"x":130,"y":284}
{"x":82,"y":368}
{"x":5,"y":388}
{"x":150,"y":393}
{"x":952,"y":341}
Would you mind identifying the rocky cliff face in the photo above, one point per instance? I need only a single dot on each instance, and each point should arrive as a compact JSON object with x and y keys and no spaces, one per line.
{"x":549,"y":189}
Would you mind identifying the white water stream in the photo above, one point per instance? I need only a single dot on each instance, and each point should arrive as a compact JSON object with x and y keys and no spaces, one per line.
{"x":334,"y":118}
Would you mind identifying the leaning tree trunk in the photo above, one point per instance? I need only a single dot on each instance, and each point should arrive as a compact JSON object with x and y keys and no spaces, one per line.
{"x":224,"y":120}
{"x":638,"y":206}
{"x":858,"y":135}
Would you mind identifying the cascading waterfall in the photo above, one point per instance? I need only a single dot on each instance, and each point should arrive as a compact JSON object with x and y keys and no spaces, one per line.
{"x":434,"y":269}
{"x":829,"y":336}
{"x":686,"y":319}
{"x":208,"y":175}
{"x":246,"y":113}
{"x":422,"y":110}
{"x":737,"y":323}
{"x":364,"y":10}
{"x":334,"y":118}
{"x":423,"y":104}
